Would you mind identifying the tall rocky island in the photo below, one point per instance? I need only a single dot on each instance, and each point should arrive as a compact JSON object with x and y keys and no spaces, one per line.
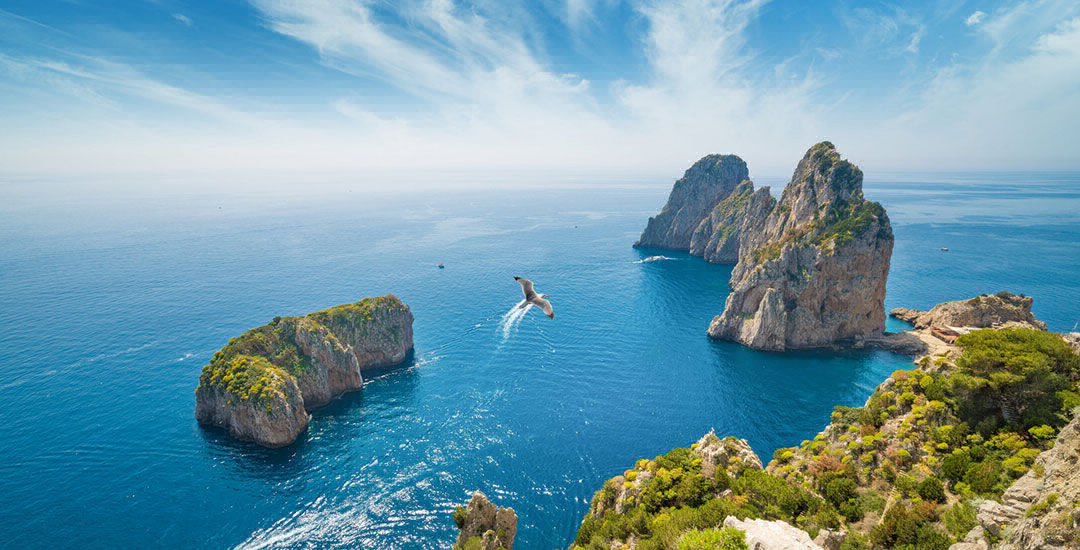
{"x":813,"y":272}
{"x":693,"y":198}
{"x":260,"y":386}
{"x":810,"y":270}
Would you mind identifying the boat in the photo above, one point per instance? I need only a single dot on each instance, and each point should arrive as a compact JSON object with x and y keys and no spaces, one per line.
{"x":441,"y":266}
{"x":944,"y":249}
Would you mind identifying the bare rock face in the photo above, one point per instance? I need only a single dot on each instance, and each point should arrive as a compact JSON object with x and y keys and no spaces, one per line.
{"x":772,"y":535}
{"x":694,"y":196}
{"x":988,"y":310}
{"x":260,"y":385}
{"x":717,"y":237}
{"x":482,"y":522}
{"x":814,"y":274}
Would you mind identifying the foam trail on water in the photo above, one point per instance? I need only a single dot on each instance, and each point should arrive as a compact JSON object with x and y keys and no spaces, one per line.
{"x":512,"y":318}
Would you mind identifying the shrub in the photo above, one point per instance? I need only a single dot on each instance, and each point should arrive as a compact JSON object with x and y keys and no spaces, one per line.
{"x":982,"y":477}
{"x":713,"y":539}
{"x":840,"y":490}
{"x":955,"y":465}
{"x":960,"y":519}
{"x":459,"y":516}
{"x":932,"y":490}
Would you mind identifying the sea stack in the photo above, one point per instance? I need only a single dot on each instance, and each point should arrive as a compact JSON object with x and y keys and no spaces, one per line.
{"x":260,"y":386}
{"x":484,"y":526}
{"x":813,"y":273}
{"x":694,"y":196}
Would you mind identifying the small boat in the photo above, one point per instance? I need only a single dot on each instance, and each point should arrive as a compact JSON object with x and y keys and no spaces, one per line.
{"x":944,"y":249}
{"x":441,"y":266}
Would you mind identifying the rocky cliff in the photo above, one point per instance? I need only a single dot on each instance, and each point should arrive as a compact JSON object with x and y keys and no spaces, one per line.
{"x":983,"y":311}
{"x":814,"y":273}
{"x":485,"y":526}
{"x":260,"y":385}
{"x":977,"y":445}
{"x":1039,"y":510}
{"x":694,"y":196}
{"x":718,"y":236}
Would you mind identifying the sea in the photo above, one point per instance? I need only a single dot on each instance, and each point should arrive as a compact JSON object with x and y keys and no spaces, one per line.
{"x":114,"y":294}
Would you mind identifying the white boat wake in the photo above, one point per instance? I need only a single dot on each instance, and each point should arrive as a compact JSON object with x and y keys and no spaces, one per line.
{"x":653,"y":259}
{"x":511,"y":319}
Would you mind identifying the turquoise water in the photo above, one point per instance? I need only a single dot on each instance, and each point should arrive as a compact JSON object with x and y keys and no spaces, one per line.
{"x":112,"y":297}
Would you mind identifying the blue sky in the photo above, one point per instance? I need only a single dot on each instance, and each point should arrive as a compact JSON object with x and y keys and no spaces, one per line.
{"x":347,"y":86}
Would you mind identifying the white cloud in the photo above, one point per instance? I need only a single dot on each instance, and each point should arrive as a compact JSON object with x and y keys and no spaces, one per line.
{"x":182,"y":18}
{"x":487,"y":95}
{"x":975,"y":18}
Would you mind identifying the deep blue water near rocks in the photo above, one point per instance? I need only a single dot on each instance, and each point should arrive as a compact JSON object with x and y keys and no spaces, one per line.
{"x":112,"y":299}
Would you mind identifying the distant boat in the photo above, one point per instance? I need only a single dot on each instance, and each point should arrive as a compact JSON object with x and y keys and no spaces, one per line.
{"x":944,"y":249}
{"x":441,"y":266}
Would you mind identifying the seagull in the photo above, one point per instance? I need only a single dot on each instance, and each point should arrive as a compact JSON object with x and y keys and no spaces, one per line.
{"x":531,"y":297}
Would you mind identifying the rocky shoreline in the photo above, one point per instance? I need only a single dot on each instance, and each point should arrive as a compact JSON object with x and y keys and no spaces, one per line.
{"x":260,"y":386}
{"x":907,"y":469}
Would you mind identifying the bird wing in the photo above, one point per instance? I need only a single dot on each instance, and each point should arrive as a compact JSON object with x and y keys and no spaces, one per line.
{"x":544,"y":306}
{"x":526,"y":287}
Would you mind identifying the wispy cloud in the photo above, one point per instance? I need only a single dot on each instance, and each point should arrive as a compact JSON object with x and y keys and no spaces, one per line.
{"x":481,"y":85}
{"x":975,"y":18}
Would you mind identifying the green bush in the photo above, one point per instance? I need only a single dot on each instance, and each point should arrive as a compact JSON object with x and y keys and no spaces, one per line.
{"x":840,"y":490}
{"x":459,"y":516}
{"x":955,"y":465}
{"x":931,"y":489}
{"x":714,"y":539}
{"x":960,"y":518}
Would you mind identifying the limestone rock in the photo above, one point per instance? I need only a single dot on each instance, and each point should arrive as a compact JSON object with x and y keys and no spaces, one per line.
{"x":717,"y":238}
{"x":274,"y":421}
{"x":729,"y":453}
{"x":694,"y":196}
{"x":259,"y":385}
{"x":495,"y":527}
{"x":829,"y":539}
{"x":772,"y":535}
{"x":814,"y":274}
{"x":988,"y":310}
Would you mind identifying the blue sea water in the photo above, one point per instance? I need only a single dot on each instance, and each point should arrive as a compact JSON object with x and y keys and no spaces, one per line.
{"x":112,"y":297}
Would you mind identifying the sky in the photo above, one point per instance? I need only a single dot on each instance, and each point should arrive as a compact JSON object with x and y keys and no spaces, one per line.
{"x":590,"y":86}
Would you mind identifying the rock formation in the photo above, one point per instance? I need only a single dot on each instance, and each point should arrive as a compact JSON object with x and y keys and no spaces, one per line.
{"x":485,"y":526}
{"x":261,"y":384}
{"x":1040,"y":509}
{"x":709,"y":181}
{"x":987,"y":310}
{"x":814,"y":273}
{"x":717,"y":237}
{"x":771,"y":535}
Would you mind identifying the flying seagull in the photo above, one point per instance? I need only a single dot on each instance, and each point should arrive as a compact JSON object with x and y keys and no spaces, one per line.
{"x":531,"y":297}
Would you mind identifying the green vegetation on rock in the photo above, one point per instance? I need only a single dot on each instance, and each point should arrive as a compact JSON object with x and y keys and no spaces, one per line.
{"x":900,"y":472}
{"x":255,"y":365}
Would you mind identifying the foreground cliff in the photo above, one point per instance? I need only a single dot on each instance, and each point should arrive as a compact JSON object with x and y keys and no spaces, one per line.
{"x":813,"y":273}
{"x":260,"y":386}
{"x":694,"y":196}
{"x":976,"y":446}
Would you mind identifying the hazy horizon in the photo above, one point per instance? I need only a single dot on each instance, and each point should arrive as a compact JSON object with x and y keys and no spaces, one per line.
{"x":349,"y":87}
